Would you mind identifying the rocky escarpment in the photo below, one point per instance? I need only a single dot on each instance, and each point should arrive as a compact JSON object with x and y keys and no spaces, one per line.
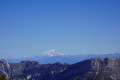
{"x":91,"y":69}
{"x":18,"y":69}
{"x":5,"y":69}
{"x":32,"y":70}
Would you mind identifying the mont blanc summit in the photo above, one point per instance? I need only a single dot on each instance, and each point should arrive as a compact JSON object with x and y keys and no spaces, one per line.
{"x":52,"y":52}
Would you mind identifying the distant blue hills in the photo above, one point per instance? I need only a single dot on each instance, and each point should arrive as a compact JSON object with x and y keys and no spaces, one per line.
{"x":70,"y":59}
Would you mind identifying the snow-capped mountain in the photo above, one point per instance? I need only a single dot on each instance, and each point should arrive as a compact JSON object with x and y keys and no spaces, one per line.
{"x":52,"y":56}
{"x":52,"y":52}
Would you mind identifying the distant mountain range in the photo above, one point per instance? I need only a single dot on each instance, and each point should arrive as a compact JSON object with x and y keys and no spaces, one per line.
{"x":90,"y":69}
{"x":53,"y":56}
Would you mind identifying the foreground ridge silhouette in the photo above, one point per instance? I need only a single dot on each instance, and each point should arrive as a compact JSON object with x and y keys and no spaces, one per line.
{"x":90,"y":69}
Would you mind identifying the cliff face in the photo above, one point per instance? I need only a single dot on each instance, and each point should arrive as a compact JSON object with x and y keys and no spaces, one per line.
{"x":32,"y":70}
{"x":91,"y":69}
{"x":5,"y":69}
{"x":18,"y":69}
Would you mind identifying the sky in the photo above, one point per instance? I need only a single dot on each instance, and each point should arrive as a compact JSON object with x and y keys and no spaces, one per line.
{"x":29,"y":27}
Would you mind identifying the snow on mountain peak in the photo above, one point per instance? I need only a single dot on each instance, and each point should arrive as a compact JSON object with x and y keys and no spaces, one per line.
{"x":52,"y":52}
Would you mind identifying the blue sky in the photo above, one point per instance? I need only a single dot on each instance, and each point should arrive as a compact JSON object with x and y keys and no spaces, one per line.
{"x":29,"y":27}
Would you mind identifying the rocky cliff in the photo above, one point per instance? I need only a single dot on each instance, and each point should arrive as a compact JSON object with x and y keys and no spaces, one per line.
{"x":32,"y":70}
{"x":91,"y":69}
{"x":5,"y":68}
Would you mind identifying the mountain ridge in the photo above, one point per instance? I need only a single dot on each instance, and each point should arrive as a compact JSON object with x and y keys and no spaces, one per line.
{"x":90,"y":69}
{"x":70,"y":59}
